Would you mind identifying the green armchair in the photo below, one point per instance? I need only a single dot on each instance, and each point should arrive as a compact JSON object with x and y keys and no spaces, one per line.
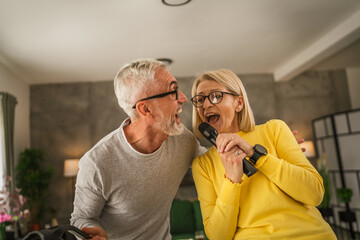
{"x":186,"y":220}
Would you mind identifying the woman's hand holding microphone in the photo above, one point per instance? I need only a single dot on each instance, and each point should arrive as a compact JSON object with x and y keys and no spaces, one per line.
{"x":232,"y":150}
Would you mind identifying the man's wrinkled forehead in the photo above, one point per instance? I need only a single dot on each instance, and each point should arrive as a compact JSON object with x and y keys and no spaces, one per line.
{"x":165,"y":77}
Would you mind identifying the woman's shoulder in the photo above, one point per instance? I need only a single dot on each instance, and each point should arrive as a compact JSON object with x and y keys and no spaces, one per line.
{"x":206,"y":158}
{"x":273,"y":127}
{"x":208,"y":154}
{"x":273,"y":123}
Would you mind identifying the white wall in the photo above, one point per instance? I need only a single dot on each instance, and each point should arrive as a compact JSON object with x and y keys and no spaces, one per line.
{"x":353,"y":76}
{"x":14,"y":85}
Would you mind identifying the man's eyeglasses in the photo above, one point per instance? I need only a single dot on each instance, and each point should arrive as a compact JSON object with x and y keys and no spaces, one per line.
{"x":214,"y":97}
{"x":159,"y":96}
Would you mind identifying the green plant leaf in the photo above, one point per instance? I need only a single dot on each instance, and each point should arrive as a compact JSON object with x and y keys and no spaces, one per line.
{"x":34,"y":178}
{"x":344,"y":194}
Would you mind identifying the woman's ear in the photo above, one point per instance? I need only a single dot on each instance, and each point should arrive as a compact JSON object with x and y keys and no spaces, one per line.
{"x":240,"y":104}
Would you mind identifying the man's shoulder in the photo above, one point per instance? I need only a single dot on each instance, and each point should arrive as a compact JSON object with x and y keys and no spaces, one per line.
{"x":186,"y":135}
{"x":188,"y":132}
{"x":189,"y":142}
{"x":109,"y":140}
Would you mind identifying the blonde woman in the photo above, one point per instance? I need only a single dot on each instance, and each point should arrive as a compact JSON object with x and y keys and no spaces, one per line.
{"x":277,"y":202}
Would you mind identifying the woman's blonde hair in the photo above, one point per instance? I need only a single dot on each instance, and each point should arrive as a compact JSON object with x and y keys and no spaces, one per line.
{"x":229,"y":80}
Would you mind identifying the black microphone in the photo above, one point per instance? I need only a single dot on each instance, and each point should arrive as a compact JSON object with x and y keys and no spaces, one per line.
{"x":210,"y":134}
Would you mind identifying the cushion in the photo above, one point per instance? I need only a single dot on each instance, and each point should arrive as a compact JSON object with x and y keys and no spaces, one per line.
{"x":186,"y":236}
{"x":182,"y":217}
{"x":198,"y":217}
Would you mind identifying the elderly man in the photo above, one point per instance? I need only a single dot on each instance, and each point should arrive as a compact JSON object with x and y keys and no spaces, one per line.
{"x":128,"y":180}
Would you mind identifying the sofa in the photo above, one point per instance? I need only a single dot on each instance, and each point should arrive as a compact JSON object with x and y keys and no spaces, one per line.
{"x":186,"y":220}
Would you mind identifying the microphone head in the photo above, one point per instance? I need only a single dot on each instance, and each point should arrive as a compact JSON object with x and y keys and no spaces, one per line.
{"x":207,"y":130}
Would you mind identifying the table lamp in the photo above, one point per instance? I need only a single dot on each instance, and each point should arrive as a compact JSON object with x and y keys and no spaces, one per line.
{"x":310,"y":149}
{"x":71,"y":168}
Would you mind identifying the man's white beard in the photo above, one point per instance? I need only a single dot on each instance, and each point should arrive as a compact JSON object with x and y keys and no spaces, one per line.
{"x":168,"y":126}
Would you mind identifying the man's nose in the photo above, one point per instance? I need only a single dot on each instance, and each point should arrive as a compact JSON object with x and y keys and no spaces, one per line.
{"x":182,"y":98}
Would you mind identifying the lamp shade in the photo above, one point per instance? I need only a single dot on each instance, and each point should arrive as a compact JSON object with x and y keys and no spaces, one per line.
{"x":71,"y":167}
{"x":310,"y":149}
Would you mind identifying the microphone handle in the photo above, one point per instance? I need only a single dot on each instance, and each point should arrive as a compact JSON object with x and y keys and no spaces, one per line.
{"x":210,"y":134}
{"x":248,"y":168}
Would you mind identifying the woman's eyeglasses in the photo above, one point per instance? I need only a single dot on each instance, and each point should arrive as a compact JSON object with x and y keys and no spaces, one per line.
{"x":214,"y":97}
{"x":159,"y":96}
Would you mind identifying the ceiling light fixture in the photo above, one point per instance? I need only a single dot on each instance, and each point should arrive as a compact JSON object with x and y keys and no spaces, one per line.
{"x":166,"y":61}
{"x":175,"y":3}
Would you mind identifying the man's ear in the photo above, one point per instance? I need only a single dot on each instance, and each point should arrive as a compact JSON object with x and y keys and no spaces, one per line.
{"x":143,"y":109}
{"x":240,"y":104}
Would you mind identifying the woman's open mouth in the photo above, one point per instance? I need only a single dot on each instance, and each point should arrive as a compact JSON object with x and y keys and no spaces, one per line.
{"x":212,"y":118}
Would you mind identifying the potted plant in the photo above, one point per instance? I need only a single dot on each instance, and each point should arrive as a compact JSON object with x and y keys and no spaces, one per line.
{"x":33,"y":178}
{"x":348,"y":216}
{"x":344,"y":194}
{"x":325,"y":209}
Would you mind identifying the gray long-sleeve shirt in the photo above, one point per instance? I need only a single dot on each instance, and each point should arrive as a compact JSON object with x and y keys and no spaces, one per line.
{"x":128,"y":193}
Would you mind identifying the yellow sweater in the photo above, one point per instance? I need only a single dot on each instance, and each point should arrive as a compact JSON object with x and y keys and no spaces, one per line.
{"x":277,"y":202}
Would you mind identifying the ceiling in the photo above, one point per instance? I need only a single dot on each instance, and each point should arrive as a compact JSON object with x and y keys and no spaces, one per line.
{"x":47,"y":41}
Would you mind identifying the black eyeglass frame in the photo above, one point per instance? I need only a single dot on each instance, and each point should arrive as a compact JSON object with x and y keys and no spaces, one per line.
{"x":158,"y":96}
{"x":208,"y":97}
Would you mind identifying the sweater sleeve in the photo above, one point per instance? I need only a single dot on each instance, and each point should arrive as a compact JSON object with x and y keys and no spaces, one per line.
{"x":89,"y":200}
{"x":220,"y":212}
{"x":290,"y":170}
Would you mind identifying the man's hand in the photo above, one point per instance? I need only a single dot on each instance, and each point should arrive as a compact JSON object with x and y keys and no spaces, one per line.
{"x":299,"y":141}
{"x":97,"y":233}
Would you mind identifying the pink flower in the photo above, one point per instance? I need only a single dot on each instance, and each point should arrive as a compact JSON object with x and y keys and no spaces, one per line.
{"x":4,"y":217}
{"x":11,"y":203}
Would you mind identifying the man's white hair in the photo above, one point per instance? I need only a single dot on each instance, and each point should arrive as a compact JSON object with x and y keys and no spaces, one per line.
{"x":134,"y":81}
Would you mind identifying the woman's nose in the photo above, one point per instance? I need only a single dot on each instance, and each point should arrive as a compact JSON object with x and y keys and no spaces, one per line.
{"x":207,"y":102}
